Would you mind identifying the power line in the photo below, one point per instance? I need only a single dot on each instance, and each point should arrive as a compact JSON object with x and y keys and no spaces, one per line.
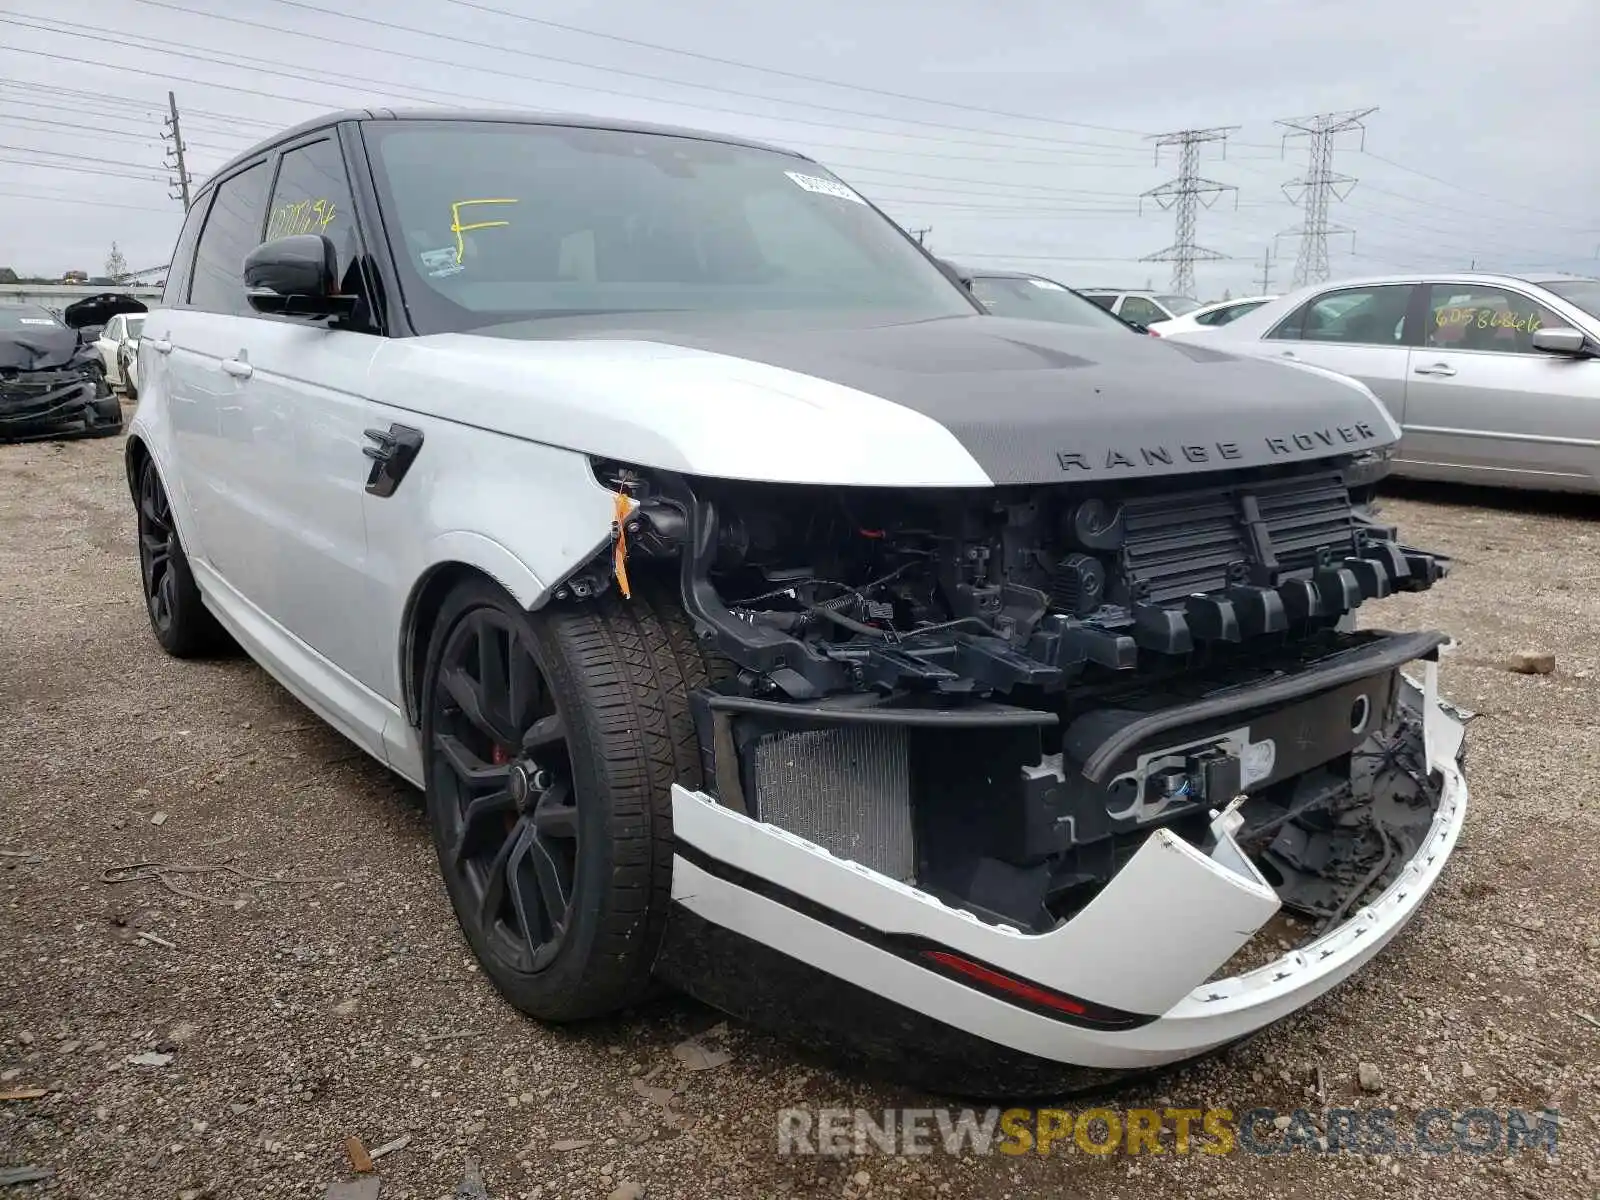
{"x":435,"y":61}
{"x":50,"y":166}
{"x":92,"y":158}
{"x":1317,"y":187}
{"x":86,"y":201}
{"x":1462,"y":188}
{"x":1186,"y":194}
{"x":731,"y":62}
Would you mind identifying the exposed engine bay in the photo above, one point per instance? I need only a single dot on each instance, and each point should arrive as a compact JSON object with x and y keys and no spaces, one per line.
{"x":998,"y":694}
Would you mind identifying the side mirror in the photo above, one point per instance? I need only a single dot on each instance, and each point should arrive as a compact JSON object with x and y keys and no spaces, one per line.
{"x":296,"y":277}
{"x":1561,"y":341}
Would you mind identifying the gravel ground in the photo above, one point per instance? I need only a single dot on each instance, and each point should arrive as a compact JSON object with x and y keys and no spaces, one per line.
{"x":319,"y":988}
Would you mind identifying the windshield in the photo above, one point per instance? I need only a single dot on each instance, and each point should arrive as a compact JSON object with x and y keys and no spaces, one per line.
{"x":494,"y":222}
{"x":21,"y":319}
{"x":1178,"y":305}
{"x":1040,"y":300}
{"x":1585,"y":293}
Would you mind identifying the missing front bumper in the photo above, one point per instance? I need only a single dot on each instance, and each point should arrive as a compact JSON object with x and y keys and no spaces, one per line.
{"x":1137,"y":957}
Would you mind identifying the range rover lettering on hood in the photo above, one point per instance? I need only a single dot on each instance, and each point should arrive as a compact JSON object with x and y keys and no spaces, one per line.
{"x":1030,"y":400}
{"x":1353,"y":437}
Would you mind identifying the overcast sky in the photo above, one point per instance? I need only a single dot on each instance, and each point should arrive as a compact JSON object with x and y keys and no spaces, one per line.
{"x":1483,"y":145}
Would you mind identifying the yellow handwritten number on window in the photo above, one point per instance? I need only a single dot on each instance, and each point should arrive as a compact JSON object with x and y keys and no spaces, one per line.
{"x":303,"y":216}
{"x":1488,"y":318}
{"x":457,"y":228}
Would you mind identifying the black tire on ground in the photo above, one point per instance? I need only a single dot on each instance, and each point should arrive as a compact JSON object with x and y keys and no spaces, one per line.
{"x":551,"y":741}
{"x":127,"y":380}
{"x":179,"y":618}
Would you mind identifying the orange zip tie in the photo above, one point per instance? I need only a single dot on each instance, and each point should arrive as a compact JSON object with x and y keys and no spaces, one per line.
{"x":619,"y":553}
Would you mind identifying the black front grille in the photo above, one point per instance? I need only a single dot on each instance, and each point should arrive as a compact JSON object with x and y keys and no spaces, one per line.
{"x":1182,"y":543}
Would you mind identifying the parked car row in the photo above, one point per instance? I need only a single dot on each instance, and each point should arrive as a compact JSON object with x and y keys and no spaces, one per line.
{"x":57,"y":372}
{"x":1493,"y":379}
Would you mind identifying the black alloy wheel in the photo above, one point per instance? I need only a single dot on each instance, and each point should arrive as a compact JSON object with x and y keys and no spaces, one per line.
{"x":158,"y":546}
{"x":178,"y":616}
{"x":502,"y":780}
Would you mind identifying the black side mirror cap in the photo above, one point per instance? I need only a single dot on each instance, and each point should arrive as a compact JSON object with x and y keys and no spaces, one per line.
{"x":296,"y":276}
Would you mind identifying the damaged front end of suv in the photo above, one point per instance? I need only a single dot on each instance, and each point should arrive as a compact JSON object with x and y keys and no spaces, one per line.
{"x":52,"y":382}
{"x":1005,"y":784}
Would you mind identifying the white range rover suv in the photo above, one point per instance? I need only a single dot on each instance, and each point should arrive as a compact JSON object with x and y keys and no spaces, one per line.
{"x":762,"y":616}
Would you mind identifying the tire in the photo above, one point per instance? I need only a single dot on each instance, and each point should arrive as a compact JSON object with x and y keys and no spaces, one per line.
{"x":550,"y":800}
{"x":178,"y":616}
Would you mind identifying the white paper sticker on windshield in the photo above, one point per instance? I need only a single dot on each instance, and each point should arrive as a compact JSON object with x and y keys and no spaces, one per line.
{"x":1047,"y":285}
{"x":441,"y":262}
{"x":824,"y":187}
{"x":36,"y":320}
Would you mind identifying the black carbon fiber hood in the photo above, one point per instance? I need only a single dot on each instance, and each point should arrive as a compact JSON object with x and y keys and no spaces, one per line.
{"x":1035,"y":402}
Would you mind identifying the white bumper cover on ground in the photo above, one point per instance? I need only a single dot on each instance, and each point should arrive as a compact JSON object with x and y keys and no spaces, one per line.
{"x":1146,"y":944}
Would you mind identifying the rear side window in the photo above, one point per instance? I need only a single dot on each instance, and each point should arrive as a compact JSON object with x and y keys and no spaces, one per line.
{"x":1231,"y":312}
{"x":1140,"y":311}
{"x":1101,"y":298}
{"x":1361,"y":316}
{"x":312,"y":195}
{"x":176,"y":290}
{"x":232,"y":230}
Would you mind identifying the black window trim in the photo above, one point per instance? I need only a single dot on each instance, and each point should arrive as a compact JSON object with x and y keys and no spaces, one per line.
{"x":364,"y":254}
{"x":1409,"y":330}
{"x":213,"y":186}
{"x":199,"y":212}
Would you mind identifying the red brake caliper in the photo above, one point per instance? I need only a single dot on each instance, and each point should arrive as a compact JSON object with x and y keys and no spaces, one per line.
{"x":500,"y":756}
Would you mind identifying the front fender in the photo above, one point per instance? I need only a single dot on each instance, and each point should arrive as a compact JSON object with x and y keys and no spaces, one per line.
{"x":522,"y":513}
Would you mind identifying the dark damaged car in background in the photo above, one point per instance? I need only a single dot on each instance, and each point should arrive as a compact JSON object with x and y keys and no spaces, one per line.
{"x":961,"y":692}
{"x":52,"y":380}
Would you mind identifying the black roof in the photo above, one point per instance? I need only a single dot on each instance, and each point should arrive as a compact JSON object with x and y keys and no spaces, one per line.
{"x":509,"y":115}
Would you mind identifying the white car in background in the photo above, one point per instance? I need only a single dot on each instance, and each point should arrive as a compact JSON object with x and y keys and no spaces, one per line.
{"x":1210,"y":316}
{"x":118,"y":345}
{"x":1141,"y":308}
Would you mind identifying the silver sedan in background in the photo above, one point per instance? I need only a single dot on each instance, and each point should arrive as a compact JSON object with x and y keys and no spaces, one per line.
{"x":1494,"y":379}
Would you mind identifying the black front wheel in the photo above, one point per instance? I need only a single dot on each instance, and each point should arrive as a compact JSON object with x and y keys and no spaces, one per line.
{"x":551,"y":741}
{"x":178,"y":616}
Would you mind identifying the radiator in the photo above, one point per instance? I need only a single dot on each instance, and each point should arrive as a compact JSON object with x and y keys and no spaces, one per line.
{"x":847,"y":788}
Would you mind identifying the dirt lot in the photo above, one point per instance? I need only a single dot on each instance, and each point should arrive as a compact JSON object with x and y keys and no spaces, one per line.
{"x":323,"y":989}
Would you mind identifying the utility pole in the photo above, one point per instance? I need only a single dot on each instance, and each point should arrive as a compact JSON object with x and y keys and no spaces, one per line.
{"x":1186,"y":194}
{"x":181,"y":182}
{"x":1313,"y":190}
{"x":1266,"y":271}
{"x":921,"y":234}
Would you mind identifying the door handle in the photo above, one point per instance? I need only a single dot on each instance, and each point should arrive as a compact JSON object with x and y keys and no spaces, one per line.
{"x":1289,"y":354}
{"x":392,"y":452}
{"x":1436,"y":369}
{"x":238,"y":368}
{"x":159,"y":345}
